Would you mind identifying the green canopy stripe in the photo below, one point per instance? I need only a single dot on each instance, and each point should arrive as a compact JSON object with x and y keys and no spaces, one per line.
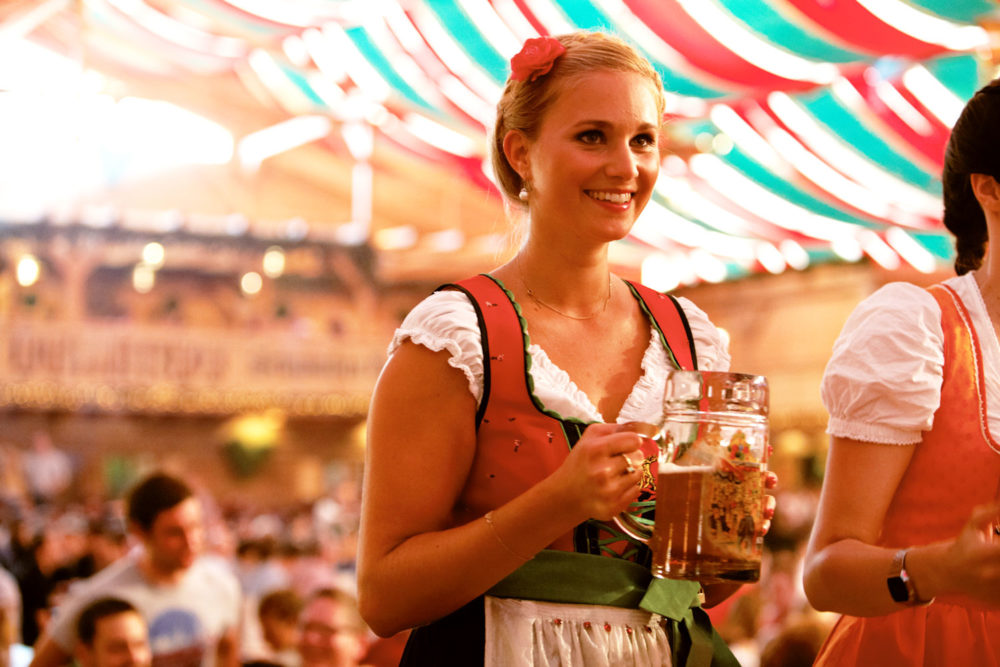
{"x":763,"y":18}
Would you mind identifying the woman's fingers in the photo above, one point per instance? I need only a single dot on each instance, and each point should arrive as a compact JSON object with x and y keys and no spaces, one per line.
{"x":770,"y":503}
{"x":770,"y":480}
{"x":985,"y":518}
{"x":630,"y":467}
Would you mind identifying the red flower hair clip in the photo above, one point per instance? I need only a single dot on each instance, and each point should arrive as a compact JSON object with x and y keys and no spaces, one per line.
{"x":536,"y":58}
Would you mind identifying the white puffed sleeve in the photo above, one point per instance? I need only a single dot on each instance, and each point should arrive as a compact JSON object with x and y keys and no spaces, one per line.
{"x":883,"y":381}
{"x":447,"y":320}
{"x":711,"y":346}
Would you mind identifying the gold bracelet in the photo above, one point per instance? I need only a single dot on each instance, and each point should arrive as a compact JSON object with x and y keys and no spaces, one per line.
{"x":489,"y":520}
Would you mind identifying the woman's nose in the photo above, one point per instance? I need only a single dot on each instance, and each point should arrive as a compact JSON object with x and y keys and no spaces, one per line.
{"x":622,"y":162}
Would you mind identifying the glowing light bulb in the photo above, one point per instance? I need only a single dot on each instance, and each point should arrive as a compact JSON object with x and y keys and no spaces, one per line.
{"x":251,"y":283}
{"x":274,"y":262}
{"x":28,"y":271}
{"x":143,"y":278}
{"x":153,"y":254}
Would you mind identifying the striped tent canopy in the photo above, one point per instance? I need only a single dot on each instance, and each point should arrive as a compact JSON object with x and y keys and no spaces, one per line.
{"x":802,"y":131}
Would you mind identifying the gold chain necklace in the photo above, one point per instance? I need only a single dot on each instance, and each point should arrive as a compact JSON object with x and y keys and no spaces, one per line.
{"x":535,"y":298}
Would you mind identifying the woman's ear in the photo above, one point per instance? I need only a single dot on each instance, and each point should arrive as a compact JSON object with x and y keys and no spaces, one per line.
{"x":987,"y":191}
{"x":515,"y":147}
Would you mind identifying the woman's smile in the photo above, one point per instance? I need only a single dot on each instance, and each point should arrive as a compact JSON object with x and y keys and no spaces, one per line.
{"x":596,"y":158}
{"x":617,"y":198}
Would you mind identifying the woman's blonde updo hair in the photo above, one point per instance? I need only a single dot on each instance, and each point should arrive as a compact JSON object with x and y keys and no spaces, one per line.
{"x":524,"y":103}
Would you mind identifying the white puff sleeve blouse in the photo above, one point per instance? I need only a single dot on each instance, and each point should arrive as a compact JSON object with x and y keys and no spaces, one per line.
{"x":883,"y":381}
{"x":446,"y":320}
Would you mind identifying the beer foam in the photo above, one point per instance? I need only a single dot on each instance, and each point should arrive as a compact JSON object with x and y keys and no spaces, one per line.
{"x":673,"y":468}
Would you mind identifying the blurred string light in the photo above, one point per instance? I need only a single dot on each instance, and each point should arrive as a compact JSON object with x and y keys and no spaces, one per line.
{"x":708,"y":267}
{"x":770,"y":258}
{"x":794,"y":254}
{"x":447,"y":240}
{"x":878,"y":250}
{"x":274,"y":262}
{"x":153,"y":254}
{"x":660,"y":272}
{"x":28,"y":271}
{"x":251,"y":283}
{"x":143,"y":278}
{"x":395,"y":238}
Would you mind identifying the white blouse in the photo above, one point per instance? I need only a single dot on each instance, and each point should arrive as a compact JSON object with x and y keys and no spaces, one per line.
{"x":446,"y":320}
{"x":883,"y":381}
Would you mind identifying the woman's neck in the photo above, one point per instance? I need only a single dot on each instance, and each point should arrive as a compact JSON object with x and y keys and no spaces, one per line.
{"x":567,"y":278}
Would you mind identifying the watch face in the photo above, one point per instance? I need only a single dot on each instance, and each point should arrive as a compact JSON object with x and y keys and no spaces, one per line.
{"x":897,"y":589}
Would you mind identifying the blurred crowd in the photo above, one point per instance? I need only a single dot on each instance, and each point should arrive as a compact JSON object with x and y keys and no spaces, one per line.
{"x":296,"y":563}
{"x":52,"y":540}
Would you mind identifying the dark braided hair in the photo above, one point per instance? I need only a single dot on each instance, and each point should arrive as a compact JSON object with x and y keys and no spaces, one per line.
{"x":972,"y":149}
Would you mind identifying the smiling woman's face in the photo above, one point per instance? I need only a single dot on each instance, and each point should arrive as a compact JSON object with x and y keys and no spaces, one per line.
{"x":595,"y":160}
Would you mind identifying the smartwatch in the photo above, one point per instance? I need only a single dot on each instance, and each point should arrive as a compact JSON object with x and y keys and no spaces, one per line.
{"x":900,"y":584}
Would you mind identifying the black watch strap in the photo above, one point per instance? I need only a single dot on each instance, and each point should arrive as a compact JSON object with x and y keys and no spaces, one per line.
{"x":901,"y":586}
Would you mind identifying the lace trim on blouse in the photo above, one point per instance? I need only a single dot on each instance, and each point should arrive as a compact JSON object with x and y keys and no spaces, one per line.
{"x":446,"y":320}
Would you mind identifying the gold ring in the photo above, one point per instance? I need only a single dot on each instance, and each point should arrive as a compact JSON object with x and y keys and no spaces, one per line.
{"x":629,"y":468}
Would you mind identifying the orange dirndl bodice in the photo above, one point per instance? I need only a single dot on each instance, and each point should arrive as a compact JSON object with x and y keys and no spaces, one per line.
{"x":955,"y":468}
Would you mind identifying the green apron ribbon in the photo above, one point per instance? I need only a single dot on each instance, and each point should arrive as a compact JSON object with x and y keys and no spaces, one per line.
{"x":578,"y":578}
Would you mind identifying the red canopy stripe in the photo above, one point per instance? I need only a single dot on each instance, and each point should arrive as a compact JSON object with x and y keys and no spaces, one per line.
{"x":669,"y":20}
{"x":856,"y":26}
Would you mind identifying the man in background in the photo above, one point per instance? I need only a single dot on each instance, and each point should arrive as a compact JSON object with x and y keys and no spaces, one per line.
{"x":112,"y":633}
{"x":191,"y":604}
{"x":333,"y":633}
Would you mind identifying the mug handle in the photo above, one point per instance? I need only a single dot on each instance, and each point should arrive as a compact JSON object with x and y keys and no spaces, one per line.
{"x":631,"y":527}
{"x":627,"y":523}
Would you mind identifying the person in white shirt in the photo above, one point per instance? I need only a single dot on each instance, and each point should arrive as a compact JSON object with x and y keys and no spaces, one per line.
{"x":191,"y":602}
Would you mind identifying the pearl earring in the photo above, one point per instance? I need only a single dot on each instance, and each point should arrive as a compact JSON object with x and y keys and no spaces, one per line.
{"x":523,"y":194}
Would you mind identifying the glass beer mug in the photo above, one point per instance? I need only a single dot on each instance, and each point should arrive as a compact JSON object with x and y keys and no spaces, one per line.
{"x":713,"y":448}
